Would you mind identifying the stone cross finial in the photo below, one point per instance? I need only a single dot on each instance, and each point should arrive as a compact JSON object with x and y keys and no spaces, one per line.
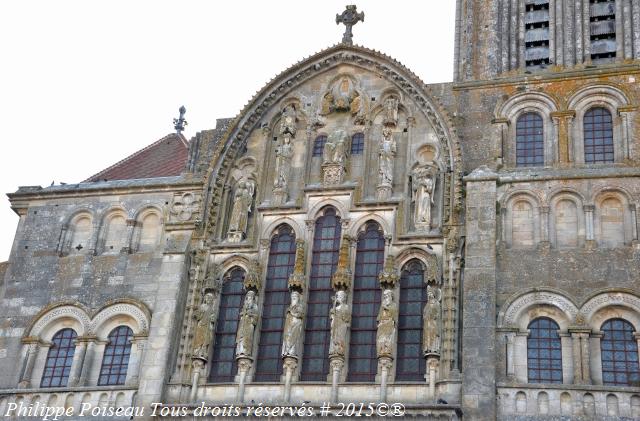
{"x":349,"y":18}
{"x":179,"y":123}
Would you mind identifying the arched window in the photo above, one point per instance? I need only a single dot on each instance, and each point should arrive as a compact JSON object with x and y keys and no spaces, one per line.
{"x":598,"y":136}
{"x":282,"y":255}
{"x":326,"y":245}
{"x":529,"y":140}
{"x":411,"y":365}
{"x":59,"y":359}
{"x":603,"y":30}
{"x":544,"y":352}
{"x":81,"y":235}
{"x":318,"y":145}
{"x":150,"y":232}
{"x":116,"y":357}
{"x":357,"y":144}
{"x":619,"y":351}
{"x":366,"y":303}
{"x":223,"y":361}
{"x":537,"y":34}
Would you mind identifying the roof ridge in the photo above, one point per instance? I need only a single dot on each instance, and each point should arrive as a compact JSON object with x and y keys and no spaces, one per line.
{"x":138,"y":152}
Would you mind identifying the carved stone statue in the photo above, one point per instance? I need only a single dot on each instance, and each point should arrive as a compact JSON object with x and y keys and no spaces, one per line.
{"x":293,"y":326}
{"x":340,"y":317}
{"x":242,"y":200}
{"x":432,"y":321}
{"x":284,"y":152}
{"x":386,"y":154}
{"x":423,"y":186}
{"x":288,"y":121}
{"x":246,"y":326}
{"x":341,"y":97}
{"x":203,"y":333}
{"x":390,"y":111}
{"x":387,"y":323}
{"x":335,"y":148}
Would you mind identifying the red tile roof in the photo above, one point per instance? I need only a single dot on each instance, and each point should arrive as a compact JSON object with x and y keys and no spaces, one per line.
{"x":164,"y":158}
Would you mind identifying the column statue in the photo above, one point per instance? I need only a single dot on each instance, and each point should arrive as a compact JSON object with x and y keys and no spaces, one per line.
{"x":432,"y":321}
{"x":386,"y":154}
{"x":246,"y":327}
{"x":387,"y":320}
{"x":422,"y":195}
{"x":293,"y":326}
{"x":340,"y":317}
{"x":242,"y":200}
{"x":203,"y":333}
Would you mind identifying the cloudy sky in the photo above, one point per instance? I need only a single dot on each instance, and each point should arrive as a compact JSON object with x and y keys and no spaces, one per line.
{"x":84,"y":83}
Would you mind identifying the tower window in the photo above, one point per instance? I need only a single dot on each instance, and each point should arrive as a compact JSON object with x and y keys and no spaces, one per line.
{"x":537,"y":34}
{"x":598,"y":136}
{"x":529,"y":140}
{"x":603,"y":30}
{"x":544,"y":352}
{"x":318,"y":145}
{"x":357,"y":144}
{"x":619,"y":350}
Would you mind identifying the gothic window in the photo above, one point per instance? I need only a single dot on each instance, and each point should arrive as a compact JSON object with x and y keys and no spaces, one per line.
{"x":366,"y":304}
{"x":529,"y":140}
{"x":318,"y":145}
{"x":411,"y":365}
{"x":537,"y":33}
{"x":81,"y":235}
{"x":116,"y":357}
{"x":357,"y":144}
{"x":282,"y":254}
{"x":223,"y":361}
{"x":598,"y":136}
{"x":59,"y":359}
{"x":544,"y":352}
{"x":603,"y":30}
{"x":619,"y":351}
{"x":326,"y":244}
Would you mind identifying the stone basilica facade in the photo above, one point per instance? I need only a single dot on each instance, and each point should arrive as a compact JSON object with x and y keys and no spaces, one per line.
{"x":468,"y":249}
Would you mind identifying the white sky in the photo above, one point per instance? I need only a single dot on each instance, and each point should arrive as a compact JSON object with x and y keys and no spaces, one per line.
{"x":85,"y":83}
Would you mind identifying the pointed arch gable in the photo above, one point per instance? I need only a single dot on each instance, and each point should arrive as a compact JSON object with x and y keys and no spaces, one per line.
{"x":255,"y":112}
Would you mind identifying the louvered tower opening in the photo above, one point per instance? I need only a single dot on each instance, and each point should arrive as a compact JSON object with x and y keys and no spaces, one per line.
{"x":537,"y":34}
{"x":603,"y":31}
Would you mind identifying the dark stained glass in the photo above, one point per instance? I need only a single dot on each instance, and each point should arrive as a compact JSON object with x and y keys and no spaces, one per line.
{"x":598,"y":136}
{"x":357,"y":144}
{"x":366,"y":304}
{"x":223,"y":361}
{"x":411,"y":365}
{"x":318,"y":145}
{"x":619,"y":350}
{"x":59,"y":359}
{"x":326,"y":245}
{"x":116,"y":357}
{"x":544,"y":352}
{"x":529,"y":140}
{"x":282,"y":254}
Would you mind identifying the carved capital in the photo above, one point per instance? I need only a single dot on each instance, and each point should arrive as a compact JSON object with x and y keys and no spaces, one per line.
{"x":297,"y":279}
{"x":252,"y":279}
{"x":389,"y":276}
{"x":341,"y":279}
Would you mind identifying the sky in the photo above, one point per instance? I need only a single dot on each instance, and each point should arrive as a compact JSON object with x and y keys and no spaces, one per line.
{"x":83,"y":84}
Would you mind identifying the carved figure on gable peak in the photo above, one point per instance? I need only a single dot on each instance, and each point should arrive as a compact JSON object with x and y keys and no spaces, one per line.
{"x":242,"y":207}
{"x":342,"y":96}
{"x":386,"y":155}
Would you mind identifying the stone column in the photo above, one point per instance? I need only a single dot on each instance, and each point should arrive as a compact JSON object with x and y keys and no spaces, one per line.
{"x":561,"y":120}
{"x":627,"y":115}
{"x":510,"y":338}
{"x":580,"y":340}
{"x":634,"y":223}
{"x":89,"y":355}
{"x":290,"y":365}
{"x":588,"y":219}
{"x":433,"y":363}
{"x":544,"y":226}
{"x":133,"y":371}
{"x":337,"y":363}
{"x":78,"y":361}
{"x":33,"y":347}
{"x":479,"y":297}
{"x":385,"y":364}
{"x":130,"y":247}
{"x":501,"y":126}
{"x":244,"y":366}
{"x":63,"y":240}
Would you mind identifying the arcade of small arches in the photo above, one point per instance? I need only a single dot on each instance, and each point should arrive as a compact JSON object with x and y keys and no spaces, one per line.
{"x":67,"y":345}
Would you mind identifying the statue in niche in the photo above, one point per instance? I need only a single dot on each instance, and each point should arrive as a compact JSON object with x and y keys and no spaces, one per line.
{"x":342,"y":97}
{"x":205,"y":323}
{"x":386,"y":155}
{"x":432,"y":321}
{"x":335,"y":148}
{"x":284,"y":153}
{"x":387,"y":320}
{"x":288,"y":121}
{"x":340,"y":317}
{"x":390,"y":111}
{"x":242,"y":201}
{"x":246,"y":326}
{"x":423,"y":186}
{"x":293,"y":326}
